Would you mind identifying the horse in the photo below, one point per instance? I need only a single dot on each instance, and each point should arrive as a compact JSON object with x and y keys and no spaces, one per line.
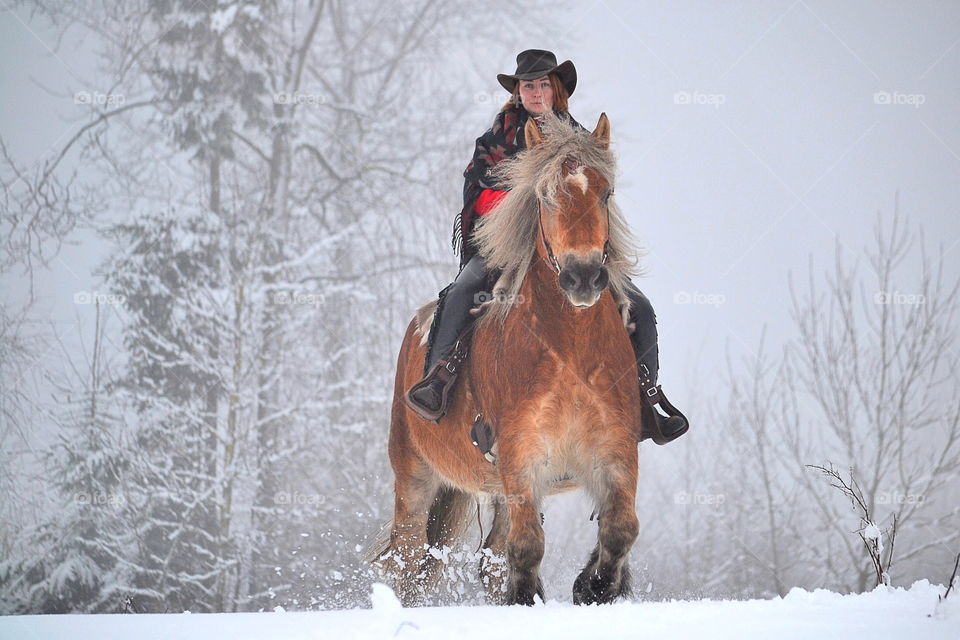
{"x":551,"y":370}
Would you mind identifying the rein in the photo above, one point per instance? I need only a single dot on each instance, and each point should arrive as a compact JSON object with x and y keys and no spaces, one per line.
{"x":550,"y":257}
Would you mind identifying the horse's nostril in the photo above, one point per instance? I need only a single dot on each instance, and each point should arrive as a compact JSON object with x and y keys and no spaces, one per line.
{"x":569,"y":280}
{"x":600,"y":279}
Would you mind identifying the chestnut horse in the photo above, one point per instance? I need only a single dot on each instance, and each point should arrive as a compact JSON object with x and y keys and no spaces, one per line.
{"x":551,"y":369}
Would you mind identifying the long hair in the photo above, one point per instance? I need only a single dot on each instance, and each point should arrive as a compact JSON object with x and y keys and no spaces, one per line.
{"x":506,"y":237}
{"x":561,"y":99}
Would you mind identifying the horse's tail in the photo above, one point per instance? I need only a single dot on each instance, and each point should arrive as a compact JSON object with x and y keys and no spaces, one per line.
{"x":451,"y":514}
{"x":449,"y":519}
{"x":379,"y":545}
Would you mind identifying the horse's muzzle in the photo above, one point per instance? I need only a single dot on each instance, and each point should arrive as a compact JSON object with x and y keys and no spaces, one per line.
{"x":583,"y":282}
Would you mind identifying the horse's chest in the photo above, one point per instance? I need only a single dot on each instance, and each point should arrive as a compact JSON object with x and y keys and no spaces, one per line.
{"x":571,"y":392}
{"x":576,"y":376}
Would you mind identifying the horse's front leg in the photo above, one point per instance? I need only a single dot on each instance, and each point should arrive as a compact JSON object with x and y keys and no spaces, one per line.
{"x":525,"y":535}
{"x":606,"y":575}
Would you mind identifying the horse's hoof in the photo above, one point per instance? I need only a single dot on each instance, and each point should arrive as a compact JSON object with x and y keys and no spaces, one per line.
{"x":525,"y":596}
{"x":520,"y":598}
{"x":582,"y":591}
{"x":593,"y":589}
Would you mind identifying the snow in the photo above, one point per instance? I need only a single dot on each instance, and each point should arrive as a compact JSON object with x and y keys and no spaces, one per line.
{"x":883,"y":613}
{"x":384,"y":600}
{"x":223,"y":18}
{"x":871,"y":532}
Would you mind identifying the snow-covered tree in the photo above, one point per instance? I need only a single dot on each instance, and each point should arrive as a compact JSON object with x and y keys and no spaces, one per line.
{"x":75,"y":560}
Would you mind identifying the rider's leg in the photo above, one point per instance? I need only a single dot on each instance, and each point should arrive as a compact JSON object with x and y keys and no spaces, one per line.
{"x":644,"y":340}
{"x":644,"y":336}
{"x":453,"y":315}
{"x":428,"y":397}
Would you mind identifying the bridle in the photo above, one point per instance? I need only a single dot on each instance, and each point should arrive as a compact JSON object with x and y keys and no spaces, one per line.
{"x":572,"y":165}
{"x":551,"y":259}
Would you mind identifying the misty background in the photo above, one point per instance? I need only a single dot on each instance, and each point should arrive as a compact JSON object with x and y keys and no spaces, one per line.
{"x":218,"y":218}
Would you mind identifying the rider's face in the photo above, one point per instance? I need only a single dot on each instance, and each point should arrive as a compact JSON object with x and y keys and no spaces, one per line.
{"x":536,"y":95}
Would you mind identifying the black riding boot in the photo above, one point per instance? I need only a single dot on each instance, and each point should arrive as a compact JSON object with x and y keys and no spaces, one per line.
{"x":429,"y":397}
{"x":662,"y":429}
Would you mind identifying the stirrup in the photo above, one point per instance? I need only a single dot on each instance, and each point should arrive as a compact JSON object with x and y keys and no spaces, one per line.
{"x":446,"y":371}
{"x":652,"y":396}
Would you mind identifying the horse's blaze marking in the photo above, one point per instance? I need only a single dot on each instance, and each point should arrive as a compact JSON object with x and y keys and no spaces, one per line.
{"x":579,"y":178}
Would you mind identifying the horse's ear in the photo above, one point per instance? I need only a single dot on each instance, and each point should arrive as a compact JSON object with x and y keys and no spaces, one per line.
{"x":602,"y":132}
{"x":531,"y":134}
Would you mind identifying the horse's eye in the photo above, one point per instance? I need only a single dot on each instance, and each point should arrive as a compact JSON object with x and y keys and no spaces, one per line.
{"x":606,"y":195}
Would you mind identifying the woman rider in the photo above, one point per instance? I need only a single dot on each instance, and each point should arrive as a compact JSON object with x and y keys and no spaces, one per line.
{"x":538,"y":85}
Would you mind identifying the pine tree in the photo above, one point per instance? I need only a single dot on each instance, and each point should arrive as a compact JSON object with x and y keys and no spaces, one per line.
{"x":74,"y":562}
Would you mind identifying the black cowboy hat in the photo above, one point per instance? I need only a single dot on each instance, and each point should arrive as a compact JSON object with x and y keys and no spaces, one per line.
{"x":536,"y":63}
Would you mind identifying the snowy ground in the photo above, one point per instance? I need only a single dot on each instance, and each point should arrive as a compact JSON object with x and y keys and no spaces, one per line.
{"x":911,"y":614}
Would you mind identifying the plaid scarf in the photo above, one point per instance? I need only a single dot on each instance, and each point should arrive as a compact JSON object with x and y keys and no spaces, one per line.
{"x":502,"y":140}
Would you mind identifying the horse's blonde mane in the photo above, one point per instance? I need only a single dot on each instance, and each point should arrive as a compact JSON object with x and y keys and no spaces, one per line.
{"x":506,"y":238}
